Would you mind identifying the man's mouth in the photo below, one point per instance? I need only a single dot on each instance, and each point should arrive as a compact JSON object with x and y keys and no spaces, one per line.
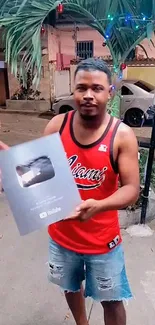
{"x":89,"y":105}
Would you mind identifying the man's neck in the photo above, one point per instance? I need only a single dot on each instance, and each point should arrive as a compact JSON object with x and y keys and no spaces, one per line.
{"x":93,"y":123}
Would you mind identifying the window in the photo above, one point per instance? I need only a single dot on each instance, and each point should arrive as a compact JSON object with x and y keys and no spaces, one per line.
{"x":144,"y":86}
{"x":126,"y":91}
{"x":85,"y":49}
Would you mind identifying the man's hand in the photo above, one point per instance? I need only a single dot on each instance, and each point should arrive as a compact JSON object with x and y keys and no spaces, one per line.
{"x":86,"y":210}
{"x":3,"y":146}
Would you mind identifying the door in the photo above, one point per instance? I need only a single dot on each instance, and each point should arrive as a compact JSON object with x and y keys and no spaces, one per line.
{"x":62,"y":83}
{"x":4,"y":87}
{"x":127,"y":97}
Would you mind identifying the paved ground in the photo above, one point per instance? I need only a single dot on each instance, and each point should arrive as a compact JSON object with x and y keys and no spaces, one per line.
{"x":19,"y":128}
{"x":25,"y":295}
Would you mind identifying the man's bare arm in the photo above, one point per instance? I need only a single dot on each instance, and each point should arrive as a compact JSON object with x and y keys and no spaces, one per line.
{"x":128,"y":171}
{"x":54,"y":125}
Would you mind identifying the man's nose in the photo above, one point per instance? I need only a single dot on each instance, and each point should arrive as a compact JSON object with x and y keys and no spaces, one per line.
{"x":88,"y":95}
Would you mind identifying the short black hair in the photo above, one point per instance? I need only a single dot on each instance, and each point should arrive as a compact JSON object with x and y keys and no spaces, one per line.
{"x":93,"y":64}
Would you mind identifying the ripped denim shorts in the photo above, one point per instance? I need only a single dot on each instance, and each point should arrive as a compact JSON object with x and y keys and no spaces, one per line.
{"x":104,"y":275}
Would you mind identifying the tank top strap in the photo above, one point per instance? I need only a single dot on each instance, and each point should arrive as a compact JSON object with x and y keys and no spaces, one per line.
{"x":66,"y":122}
{"x":112,"y":135}
{"x":112,"y":129}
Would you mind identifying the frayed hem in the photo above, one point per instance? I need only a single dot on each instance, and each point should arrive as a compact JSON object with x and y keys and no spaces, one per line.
{"x":64,"y":290}
{"x":70,"y":291}
{"x":110,"y":300}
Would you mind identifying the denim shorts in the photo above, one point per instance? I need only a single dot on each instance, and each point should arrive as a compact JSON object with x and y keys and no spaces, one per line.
{"x":104,"y":274}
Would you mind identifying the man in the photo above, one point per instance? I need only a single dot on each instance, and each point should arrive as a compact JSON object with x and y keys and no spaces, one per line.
{"x":88,"y":245}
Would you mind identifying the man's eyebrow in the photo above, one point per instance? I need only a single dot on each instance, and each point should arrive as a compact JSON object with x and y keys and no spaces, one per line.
{"x":94,"y":84}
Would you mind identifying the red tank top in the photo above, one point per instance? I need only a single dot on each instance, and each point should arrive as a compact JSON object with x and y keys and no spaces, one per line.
{"x":96,"y":176}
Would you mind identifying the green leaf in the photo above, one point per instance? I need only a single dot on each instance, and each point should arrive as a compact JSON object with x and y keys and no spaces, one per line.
{"x":22,"y":20}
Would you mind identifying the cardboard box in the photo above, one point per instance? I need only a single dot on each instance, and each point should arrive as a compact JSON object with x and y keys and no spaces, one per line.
{"x":38,"y":183}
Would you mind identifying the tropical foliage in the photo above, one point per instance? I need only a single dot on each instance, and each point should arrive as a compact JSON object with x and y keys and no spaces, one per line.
{"x":124,"y":24}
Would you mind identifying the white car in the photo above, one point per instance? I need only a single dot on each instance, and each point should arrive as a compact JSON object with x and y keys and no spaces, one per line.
{"x":136,"y":98}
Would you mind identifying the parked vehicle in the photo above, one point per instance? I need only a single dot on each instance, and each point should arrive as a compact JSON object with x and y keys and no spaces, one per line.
{"x":136,"y":98}
{"x":143,"y":84}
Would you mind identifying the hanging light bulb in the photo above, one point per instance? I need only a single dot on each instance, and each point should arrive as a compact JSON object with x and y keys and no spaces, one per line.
{"x":123,"y":66}
{"x":60,"y":8}
{"x":43,"y":30}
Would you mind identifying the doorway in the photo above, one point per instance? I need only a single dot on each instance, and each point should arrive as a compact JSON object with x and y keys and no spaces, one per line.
{"x":4,"y":87}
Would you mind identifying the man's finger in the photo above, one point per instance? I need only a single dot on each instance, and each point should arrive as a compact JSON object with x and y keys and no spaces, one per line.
{"x":74,"y":215}
{"x":85,"y":216}
{"x":83,"y":206}
{"x":3,"y":146}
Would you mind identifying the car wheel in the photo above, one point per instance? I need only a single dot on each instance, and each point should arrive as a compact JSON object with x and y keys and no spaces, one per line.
{"x":134,"y":117}
{"x":65,"y":109}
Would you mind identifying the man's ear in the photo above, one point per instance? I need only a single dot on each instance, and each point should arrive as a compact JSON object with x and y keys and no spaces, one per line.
{"x":110,"y":91}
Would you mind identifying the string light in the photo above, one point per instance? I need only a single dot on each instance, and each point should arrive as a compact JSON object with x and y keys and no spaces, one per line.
{"x":60,"y":8}
{"x":115,"y":69}
{"x":43,"y":30}
{"x":128,"y":17}
{"x":123,"y":66}
{"x":138,"y":21}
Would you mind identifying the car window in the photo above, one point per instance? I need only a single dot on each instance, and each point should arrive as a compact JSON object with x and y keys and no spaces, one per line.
{"x":144,"y":86}
{"x":126,"y":91}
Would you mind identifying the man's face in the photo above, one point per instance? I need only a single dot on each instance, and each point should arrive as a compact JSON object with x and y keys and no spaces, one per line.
{"x":91,"y":94}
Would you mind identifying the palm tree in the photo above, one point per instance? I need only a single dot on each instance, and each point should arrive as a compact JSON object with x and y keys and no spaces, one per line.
{"x":123,"y":23}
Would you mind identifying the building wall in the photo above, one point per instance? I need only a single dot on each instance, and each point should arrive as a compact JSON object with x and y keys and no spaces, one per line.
{"x":149,"y":47}
{"x":142,"y":73}
{"x":13,"y":83}
{"x":61,"y":40}
{"x":44,"y":86}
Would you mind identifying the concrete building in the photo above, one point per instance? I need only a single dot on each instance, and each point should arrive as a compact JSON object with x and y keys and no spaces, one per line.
{"x":65,"y":44}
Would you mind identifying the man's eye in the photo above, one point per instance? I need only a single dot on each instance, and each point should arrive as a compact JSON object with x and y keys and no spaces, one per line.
{"x":98,"y":88}
{"x":81,"y":88}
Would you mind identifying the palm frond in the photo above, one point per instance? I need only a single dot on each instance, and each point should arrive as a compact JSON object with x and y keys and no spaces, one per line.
{"x":22,"y":20}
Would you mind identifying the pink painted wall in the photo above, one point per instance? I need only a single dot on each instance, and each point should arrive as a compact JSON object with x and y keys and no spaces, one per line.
{"x":150,"y":49}
{"x":62,"y":41}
